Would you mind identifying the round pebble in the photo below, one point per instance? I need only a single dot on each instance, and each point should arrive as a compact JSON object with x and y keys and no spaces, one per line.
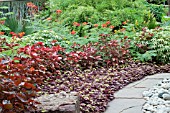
{"x":157,"y":98}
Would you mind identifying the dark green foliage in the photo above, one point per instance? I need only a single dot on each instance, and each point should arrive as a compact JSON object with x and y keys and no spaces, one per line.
{"x":157,"y":11}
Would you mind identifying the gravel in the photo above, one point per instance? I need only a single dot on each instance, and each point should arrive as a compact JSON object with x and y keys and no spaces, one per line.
{"x":158,"y":98}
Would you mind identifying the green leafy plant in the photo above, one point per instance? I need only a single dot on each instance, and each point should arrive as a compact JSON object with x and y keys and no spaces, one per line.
{"x":18,"y":26}
{"x":152,"y":45}
{"x":97,"y":12}
{"x":157,"y":11}
{"x":150,"y":21}
{"x":3,"y":18}
{"x":156,"y":1}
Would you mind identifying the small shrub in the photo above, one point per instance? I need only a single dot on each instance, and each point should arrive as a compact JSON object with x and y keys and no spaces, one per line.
{"x":17,"y":91}
{"x":152,"y":45}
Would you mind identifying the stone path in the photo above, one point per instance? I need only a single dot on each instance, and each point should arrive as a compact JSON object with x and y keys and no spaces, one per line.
{"x":129,"y":99}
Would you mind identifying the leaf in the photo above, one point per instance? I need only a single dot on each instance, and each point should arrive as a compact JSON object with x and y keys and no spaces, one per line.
{"x":38,"y":81}
{"x":7,"y":106}
{"x":21,"y":97}
{"x":17,"y":82}
{"x":4,"y":28}
{"x":16,"y":61}
{"x":29,"y":86}
{"x":19,"y":105}
{"x":3,"y":7}
{"x":32,"y":69}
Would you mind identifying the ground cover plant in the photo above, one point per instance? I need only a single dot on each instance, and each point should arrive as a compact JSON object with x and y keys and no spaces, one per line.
{"x":99,"y":51}
{"x":52,"y":77}
{"x":55,"y":76}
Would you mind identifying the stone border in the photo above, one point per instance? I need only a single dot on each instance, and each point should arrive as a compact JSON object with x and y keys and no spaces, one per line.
{"x":157,"y":98}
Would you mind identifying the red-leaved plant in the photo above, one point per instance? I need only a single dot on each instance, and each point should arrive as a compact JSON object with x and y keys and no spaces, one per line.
{"x":16,"y":90}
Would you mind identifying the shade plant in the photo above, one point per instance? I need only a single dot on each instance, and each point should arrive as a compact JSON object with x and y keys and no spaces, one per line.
{"x":97,"y":12}
{"x":152,"y":45}
{"x":17,"y":91}
{"x":51,"y":70}
{"x":88,"y":55}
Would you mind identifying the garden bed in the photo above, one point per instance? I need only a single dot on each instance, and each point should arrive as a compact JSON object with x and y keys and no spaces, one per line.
{"x":89,"y":52}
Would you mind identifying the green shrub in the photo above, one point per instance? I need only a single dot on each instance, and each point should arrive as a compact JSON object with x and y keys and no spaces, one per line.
{"x":156,"y":1}
{"x":157,"y":11}
{"x":3,"y":18}
{"x":80,"y":14}
{"x":149,"y":21}
{"x":98,"y":11}
{"x":152,"y":45}
{"x":18,"y":26}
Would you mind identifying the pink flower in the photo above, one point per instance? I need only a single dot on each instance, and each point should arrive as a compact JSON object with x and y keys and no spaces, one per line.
{"x":104,"y":25}
{"x":84,"y":23}
{"x":95,"y":25}
{"x":76,"y":24}
{"x":108,"y":22}
{"x":73,"y":32}
{"x":112,"y":27}
{"x":58,"y":11}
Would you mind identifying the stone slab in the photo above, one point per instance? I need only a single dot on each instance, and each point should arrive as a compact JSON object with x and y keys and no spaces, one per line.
{"x":59,"y":103}
{"x":130,"y":93}
{"x":119,"y":105}
{"x":148,"y":83}
{"x":160,"y":75}
{"x":134,"y":83}
{"x":129,"y":99}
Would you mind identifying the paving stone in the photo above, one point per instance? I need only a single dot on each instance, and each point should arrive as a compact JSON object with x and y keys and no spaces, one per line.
{"x":119,"y":105}
{"x":130,"y":93}
{"x":160,"y":75}
{"x":134,"y":83}
{"x":148,"y":83}
{"x":129,"y":99}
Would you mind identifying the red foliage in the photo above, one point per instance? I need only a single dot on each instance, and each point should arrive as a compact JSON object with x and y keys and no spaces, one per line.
{"x":2,"y":33}
{"x":20,"y":80}
{"x":19,"y":35}
{"x":16,"y":90}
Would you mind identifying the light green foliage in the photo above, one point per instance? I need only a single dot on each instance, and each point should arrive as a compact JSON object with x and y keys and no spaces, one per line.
{"x":66,"y":40}
{"x":80,"y":14}
{"x":10,"y":52}
{"x":3,"y":18}
{"x":149,"y":21}
{"x":161,"y":43}
{"x":166,"y":21}
{"x":152,"y":45}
